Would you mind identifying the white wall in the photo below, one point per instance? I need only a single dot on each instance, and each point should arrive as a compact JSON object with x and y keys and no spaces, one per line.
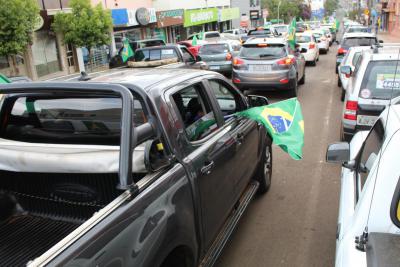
{"x":188,"y":4}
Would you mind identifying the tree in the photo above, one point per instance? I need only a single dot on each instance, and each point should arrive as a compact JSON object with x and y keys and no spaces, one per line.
{"x":17,"y":22}
{"x":330,"y":6}
{"x":287,"y":9}
{"x":85,"y":26}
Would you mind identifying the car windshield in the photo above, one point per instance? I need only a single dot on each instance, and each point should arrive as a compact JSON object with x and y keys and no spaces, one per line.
{"x":379,"y":80}
{"x":303,"y":39}
{"x":213,"y":49}
{"x":76,"y":120}
{"x":359,"y":41}
{"x":260,"y":32}
{"x":270,"y":51}
{"x":154,"y":54}
{"x":281,"y":29}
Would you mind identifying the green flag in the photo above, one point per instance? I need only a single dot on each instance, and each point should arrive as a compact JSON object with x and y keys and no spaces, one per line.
{"x":336,"y":25}
{"x":292,"y":34}
{"x":194,"y":40}
{"x":284,"y":122}
{"x":4,"y":79}
{"x":127,"y":51}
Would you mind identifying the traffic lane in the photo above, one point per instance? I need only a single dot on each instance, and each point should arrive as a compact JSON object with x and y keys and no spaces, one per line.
{"x":295,"y":223}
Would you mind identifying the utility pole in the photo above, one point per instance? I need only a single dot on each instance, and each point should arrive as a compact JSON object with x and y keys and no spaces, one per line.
{"x":279,"y":5}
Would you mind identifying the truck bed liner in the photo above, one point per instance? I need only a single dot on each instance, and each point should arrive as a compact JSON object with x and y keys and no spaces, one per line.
{"x":25,"y":237}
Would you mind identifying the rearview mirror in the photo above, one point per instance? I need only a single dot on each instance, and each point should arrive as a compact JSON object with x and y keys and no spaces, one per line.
{"x":338,"y":153}
{"x":257,"y":101}
{"x":346,"y":70}
{"x":303,"y":50}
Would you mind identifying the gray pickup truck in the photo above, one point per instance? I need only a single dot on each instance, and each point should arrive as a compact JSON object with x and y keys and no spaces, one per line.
{"x":128,"y":168}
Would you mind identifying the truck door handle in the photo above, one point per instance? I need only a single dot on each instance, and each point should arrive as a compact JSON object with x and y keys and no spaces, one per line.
{"x":206,"y":169}
{"x":240,"y":138}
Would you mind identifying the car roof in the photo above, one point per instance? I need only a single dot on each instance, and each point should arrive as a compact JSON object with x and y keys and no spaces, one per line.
{"x":167,"y":46}
{"x":266,"y":40}
{"x":358,"y":34}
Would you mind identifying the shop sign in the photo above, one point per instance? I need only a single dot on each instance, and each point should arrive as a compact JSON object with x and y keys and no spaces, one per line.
{"x":153,"y":15}
{"x":229,"y":13}
{"x":200,"y":16}
{"x":143,"y":16}
{"x":254,"y":14}
{"x":169,"y":18}
{"x":132,"y":17}
{"x":120,"y":16}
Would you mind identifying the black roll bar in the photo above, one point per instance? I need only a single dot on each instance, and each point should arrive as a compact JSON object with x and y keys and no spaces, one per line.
{"x":128,"y":137}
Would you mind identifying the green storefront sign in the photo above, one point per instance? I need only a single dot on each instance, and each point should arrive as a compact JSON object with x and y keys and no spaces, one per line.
{"x":229,"y":13}
{"x":200,"y":16}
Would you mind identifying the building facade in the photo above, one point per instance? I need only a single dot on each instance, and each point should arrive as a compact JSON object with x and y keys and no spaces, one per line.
{"x":393,"y":7}
{"x":250,"y":13}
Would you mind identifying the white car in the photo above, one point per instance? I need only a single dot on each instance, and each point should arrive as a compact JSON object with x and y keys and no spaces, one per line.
{"x":282,"y":29}
{"x":307,"y":41}
{"x":351,"y":58}
{"x":322,"y":41}
{"x":368,"y":230}
{"x":237,"y":32}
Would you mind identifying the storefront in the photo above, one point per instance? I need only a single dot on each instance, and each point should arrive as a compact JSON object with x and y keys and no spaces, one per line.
{"x":172,"y":22}
{"x":226,"y":15}
{"x":197,"y":20}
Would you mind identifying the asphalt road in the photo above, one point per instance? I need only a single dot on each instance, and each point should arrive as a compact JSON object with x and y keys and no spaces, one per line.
{"x":294,"y":224}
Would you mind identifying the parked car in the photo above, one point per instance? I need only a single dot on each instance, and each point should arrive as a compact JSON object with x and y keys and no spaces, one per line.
{"x":307,"y":41}
{"x":369,"y":219}
{"x":351,"y":58}
{"x":354,"y":39}
{"x":173,"y":56}
{"x":77,"y":185}
{"x":370,"y":88}
{"x":218,"y":57}
{"x":322,"y":41}
{"x":116,"y":61}
{"x":268,"y":63}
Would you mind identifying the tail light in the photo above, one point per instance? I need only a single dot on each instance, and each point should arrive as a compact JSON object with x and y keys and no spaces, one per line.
{"x":286,"y":61}
{"x":350,"y":112}
{"x":341,"y":51}
{"x":311,"y":46}
{"x":237,"y":63}
{"x":228,"y":56}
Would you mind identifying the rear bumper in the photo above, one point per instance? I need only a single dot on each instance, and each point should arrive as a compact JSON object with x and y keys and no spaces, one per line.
{"x":310,"y":56}
{"x":220,"y":67}
{"x":270,"y":80}
{"x":271,"y":85}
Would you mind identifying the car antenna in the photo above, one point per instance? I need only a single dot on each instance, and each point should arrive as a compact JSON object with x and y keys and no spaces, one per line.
{"x":84,"y":76}
{"x":361,"y":241}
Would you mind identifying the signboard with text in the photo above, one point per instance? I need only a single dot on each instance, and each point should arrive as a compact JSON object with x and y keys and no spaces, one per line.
{"x":200,"y":16}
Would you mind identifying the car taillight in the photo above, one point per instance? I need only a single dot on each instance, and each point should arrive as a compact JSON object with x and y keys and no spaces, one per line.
{"x":237,"y":62}
{"x":311,"y":46}
{"x":228,"y":56}
{"x":286,"y":61}
{"x":341,"y":51}
{"x":350,"y":112}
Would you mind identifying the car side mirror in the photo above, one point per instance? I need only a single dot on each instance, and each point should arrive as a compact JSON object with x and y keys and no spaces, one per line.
{"x":381,"y":41}
{"x":257,"y":101}
{"x":303,"y":50}
{"x":346,"y":70}
{"x":338,"y":152}
{"x":198,"y":58}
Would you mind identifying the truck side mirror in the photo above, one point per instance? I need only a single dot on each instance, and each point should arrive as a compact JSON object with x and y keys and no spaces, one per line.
{"x":338,"y":152}
{"x":198,"y":58}
{"x":346,"y":70}
{"x":257,"y":101}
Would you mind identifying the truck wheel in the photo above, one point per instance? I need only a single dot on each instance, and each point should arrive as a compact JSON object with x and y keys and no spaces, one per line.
{"x":339,"y":82}
{"x":343,"y":95}
{"x":264,"y":171}
{"x":293,"y":91}
{"x":303,"y":79}
{"x":314,"y":63}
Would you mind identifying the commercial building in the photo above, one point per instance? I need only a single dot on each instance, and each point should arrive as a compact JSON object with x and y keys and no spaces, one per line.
{"x":393,"y":7}
{"x":250,"y":13}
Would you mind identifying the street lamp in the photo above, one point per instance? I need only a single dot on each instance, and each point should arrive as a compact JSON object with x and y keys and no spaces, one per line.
{"x":279,"y":5}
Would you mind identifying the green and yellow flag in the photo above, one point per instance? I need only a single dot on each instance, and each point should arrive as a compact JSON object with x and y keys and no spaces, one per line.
{"x":292,"y":34}
{"x":194,"y":40}
{"x":127,"y":51}
{"x":4,"y":79}
{"x":284,"y":122}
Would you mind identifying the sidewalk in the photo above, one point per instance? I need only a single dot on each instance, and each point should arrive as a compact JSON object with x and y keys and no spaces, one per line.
{"x":388,"y":38}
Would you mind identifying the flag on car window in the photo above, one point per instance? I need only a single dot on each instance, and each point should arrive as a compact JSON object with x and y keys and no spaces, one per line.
{"x":284,"y":122}
{"x":194,"y":40}
{"x":127,"y":51}
{"x":292,"y":34}
{"x":4,"y":79}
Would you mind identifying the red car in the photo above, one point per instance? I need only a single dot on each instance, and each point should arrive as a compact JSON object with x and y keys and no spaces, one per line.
{"x":194,"y":49}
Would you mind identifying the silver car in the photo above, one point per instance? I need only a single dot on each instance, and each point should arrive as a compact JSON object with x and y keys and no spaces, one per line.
{"x":218,"y":57}
{"x":268,"y":63}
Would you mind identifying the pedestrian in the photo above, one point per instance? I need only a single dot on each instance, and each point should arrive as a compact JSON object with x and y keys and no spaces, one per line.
{"x":376,"y":27}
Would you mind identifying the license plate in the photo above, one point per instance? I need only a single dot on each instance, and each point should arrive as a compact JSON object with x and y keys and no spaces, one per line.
{"x":214,"y":68}
{"x":366,"y":120}
{"x":261,"y":67}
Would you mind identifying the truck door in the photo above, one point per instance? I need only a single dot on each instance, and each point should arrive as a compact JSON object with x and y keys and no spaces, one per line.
{"x":243,"y":130}
{"x":208,"y":154}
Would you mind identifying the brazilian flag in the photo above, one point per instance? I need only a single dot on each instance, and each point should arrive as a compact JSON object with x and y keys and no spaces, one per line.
{"x":284,"y":122}
{"x":292,"y":34}
{"x":127,"y":51}
{"x":4,"y":79}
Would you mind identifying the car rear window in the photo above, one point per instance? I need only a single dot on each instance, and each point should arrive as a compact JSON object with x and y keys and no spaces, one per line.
{"x":281,"y":29}
{"x":303,"y":39}
{"x":154,"y":54}
{"x":359,"y":41}
{"x":380,"y":79}
{"x":212,"y":49}
{"x":358,"y":30}
{"x":260,"y":32}
{"x":254,"y":51}
{"x":78,"y":120}
{"x":212,"y":35}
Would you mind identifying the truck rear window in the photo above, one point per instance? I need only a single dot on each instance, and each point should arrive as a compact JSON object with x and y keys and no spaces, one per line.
{"x":263,"y":52}
{"x":380,"y":79}
{"x":213,"y":49}
{"x":259,"y":32}
{"x":154,"y":54}
{"x":359,"y":41}
{"x":81,"y":120}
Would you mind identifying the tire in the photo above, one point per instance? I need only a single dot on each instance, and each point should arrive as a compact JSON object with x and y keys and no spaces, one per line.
{"x":339,"y":82}
{"x":293,"y":91}
{"x":264,"y":170}
{"x":342,"y":96}
{"x":314,"y":63}
{"x":303,"y":79}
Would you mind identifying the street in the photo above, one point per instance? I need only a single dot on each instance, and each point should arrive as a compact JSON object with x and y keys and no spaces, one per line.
{"x":295,"y":223}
